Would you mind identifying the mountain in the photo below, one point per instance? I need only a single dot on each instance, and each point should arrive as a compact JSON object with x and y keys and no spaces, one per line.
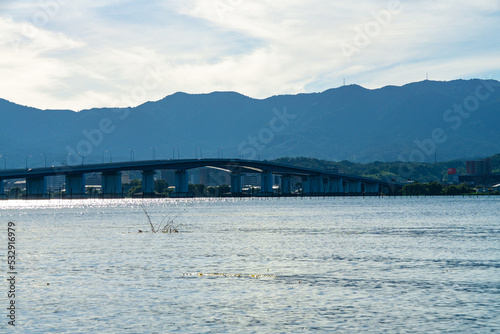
{"x":419,"y":121}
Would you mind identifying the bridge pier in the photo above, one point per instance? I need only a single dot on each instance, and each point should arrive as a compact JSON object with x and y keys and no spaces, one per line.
{"x":181,"y":183}
{"x":2,"y":190}
{"x":372,"y":188}
{"x":266,"y":183}
{"x":236,"y":187}
{"x":75,"y":186}
{"x":353,"y":187}
{"x":112,"y":184}
{"x":325,"y":185}
{"x":336,"y":185}
{"x":306,"y":185}
{"x":148,"y":183}
{"x":36,"y":187}
{"x":316,"y":185}
{"x":286,"y":184}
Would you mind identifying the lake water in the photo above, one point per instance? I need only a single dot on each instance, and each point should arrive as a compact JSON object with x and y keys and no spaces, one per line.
{"x":346,"y":265}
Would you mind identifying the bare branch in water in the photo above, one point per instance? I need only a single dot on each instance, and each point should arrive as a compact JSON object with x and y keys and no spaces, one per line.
{"x":162,"y":222}
{"x":149,"y":219}
{"x":168,"y":227}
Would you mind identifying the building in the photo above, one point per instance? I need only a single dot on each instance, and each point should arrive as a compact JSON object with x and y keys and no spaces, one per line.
{"x":212,"y":177}
{"x":168,"y":176}
{"x":479,"y":173}
{"x":452,"y":176}
{"x":125,"y":177}
{"x":479,"y":167}
{"x":93,"y":179}
{"x":251,"y":180}
{"x":194,"y":176}
{"x":55,"y":183}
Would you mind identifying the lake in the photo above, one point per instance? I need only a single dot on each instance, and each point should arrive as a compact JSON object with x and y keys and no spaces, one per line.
{"x":288,"y":265}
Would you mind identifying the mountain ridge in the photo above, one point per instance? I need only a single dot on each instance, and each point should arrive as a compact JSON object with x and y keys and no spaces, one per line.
{"x":344,"y":123}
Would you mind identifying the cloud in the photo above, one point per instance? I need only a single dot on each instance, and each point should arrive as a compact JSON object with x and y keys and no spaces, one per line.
{"x":119,"y":53}
{"x":32,"y":58}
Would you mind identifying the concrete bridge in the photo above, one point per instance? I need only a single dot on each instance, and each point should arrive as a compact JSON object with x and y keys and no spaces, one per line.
{"x":314,"y":182}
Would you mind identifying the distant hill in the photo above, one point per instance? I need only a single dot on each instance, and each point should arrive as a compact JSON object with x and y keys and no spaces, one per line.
{"x":346,"y":123}
{"x":495,"y":162}
{"x":397,"y":171}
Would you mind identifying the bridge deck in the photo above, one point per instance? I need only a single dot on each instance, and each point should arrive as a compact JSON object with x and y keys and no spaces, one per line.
{"x":230,"y":165}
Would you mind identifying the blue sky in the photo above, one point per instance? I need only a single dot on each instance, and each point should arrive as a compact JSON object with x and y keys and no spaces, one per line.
{"x":78,"y":54}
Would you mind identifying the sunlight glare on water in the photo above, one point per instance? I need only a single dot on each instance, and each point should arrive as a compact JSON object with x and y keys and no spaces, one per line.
{"x":371,"y":265}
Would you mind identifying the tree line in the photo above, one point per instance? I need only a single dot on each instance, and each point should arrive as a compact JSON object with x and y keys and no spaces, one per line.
{"x":435,"y":189}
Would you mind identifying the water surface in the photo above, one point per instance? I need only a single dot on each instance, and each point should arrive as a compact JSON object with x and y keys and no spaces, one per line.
{"x":370,"y":265}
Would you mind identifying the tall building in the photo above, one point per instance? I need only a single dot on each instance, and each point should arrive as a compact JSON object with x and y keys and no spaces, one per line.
{"x":479,"y":167}
{"x":55,"y":183}
{"x":251,"y":180}
{"x":168,"y":176}
{"x":214,"y":177}
{"x":93,"y":179}
{"x":480,"y":173}
{"x":125,"y":177}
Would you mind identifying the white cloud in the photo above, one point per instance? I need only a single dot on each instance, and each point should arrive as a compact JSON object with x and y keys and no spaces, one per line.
{"x":104,"y":53}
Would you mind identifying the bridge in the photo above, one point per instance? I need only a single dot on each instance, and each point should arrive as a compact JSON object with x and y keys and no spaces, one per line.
{"x":314,"y":182}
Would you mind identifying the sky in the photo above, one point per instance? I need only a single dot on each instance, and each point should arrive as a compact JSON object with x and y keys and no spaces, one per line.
{"x":79,"y":54}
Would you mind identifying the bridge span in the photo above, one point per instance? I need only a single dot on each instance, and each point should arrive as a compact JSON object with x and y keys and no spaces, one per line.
{"x":314,"y":182}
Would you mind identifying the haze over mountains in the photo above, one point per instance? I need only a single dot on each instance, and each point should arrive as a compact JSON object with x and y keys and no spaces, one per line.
{"x":448,"y":120}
